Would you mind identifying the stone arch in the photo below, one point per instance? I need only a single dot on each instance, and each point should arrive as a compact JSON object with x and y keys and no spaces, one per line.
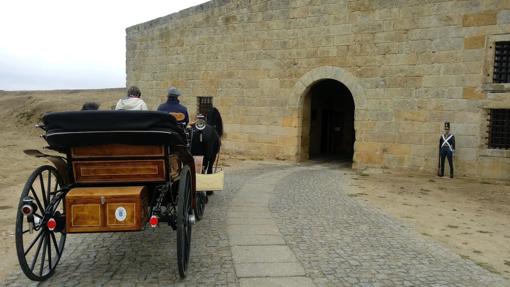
{"x":327,"y":72}
{"x":298,"y":96}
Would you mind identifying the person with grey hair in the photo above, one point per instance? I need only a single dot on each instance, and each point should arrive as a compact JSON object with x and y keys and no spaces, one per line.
{"x":132,"y":101}
{"x":173,"y":107}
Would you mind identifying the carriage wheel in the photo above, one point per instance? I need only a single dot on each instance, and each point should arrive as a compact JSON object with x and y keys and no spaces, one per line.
{"x":184,"y":214}
{"x":39,"y":249}
{"x":201,"y":198}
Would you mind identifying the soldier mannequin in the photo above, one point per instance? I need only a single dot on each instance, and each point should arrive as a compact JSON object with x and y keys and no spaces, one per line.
{"x":446,"y":149}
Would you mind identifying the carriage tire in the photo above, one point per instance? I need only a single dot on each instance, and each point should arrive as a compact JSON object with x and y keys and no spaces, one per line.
{"x":37,"y":266}
{"x":184,"y":210}
{"x":201,"y":200}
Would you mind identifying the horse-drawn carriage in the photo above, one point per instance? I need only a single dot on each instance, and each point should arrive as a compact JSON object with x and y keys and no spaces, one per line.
{"x":122,"y":171}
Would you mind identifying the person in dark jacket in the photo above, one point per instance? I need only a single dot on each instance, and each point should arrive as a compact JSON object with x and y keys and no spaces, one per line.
{"x":214,"y":119}
{"x":173,"y":107}
{"x":205,"y":141}
{"x":90,"y":106}
{"x":446,"y":149}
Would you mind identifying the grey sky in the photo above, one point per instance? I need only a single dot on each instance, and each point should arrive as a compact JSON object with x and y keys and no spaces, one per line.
{"x":58,"y":44}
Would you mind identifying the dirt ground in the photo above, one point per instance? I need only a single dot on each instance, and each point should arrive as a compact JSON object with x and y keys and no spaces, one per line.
{"x":470,"y":217}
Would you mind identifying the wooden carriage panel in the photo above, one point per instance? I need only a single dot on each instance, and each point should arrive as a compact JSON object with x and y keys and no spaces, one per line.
{"x":85,"y":215}
{"x":118,"y":150}
{"x":106,"y":209}
{"x":119,"y":171}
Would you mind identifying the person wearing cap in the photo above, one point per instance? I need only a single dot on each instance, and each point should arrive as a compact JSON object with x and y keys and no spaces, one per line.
{"x":446,"y":149}
{"x":173,"y":107}
{"x":132,"y":102}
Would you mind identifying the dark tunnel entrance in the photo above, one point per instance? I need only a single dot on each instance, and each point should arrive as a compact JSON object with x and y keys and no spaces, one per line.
{"x":332,"y":134}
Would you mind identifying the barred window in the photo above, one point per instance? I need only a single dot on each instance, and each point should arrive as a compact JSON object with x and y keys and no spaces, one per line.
{"x":499,"y":128}
{"x":204,"y":104}
{"x":502,"y":62}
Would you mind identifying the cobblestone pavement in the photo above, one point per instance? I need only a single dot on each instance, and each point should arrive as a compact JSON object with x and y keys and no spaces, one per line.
{"x":338,"y":240}
{"x":343,"y":242}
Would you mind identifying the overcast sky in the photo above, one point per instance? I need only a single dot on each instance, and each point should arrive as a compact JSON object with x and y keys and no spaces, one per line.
{"x":71,"y":44}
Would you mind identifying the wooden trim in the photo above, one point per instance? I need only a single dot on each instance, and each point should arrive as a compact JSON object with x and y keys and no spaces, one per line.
{"x":117,"y":151}
{"x":120,"y":171}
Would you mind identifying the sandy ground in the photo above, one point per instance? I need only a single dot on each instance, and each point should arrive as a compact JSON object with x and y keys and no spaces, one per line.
{"x":469,"y":217}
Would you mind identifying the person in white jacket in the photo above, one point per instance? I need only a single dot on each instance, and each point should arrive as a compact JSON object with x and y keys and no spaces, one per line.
{"x":132,"y":102}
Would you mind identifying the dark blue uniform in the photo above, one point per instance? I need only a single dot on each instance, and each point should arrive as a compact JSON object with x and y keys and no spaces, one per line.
{"x":173,"y":107}
{"x":446,"y":149}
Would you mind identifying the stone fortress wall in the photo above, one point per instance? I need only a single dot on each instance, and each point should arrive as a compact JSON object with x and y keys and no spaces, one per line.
{"x":409,"y":64}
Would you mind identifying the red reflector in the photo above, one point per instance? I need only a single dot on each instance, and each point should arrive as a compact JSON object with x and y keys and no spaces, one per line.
{"x":154,"y":221}
{"x":27,"y":210}
{"x":52,"y":223}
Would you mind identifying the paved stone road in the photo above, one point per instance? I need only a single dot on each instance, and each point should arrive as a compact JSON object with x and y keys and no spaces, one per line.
{"x":287,"y":224}
{"x":343,"y":242}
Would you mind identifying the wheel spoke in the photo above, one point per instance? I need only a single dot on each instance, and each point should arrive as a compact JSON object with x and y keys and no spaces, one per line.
{"x":55,"y":243}
{"x":41,"y":181}
{"x":43,"y":256}
{"x":36,"y":198}
{"x":49,"y":186}
{"x":33,"y":242}
{"x":34,"y":260}
{"x":48,"y":241}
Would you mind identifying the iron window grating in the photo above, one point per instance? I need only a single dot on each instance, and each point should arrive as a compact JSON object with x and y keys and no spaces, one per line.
{"x":499,"y":128}
{"x":204,"y":104}
{"x":502,"y":62}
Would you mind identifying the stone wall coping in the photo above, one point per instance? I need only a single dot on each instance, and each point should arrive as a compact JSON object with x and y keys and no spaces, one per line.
{"x":501,"y":153}
{"x":496,"y":87}
{"x":179,"y":14}
{"x":70,"y":91}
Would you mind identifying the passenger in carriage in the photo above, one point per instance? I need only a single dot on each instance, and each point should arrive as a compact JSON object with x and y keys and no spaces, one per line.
{"x":173,"y":107}
{"x":90,"y":106}
{"x":132,"y":101}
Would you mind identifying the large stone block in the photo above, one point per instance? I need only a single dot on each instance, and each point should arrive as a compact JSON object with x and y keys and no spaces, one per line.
{"x":474,"y":42}
{"x":480,"y":19}
{"x":397,"y":149}
{"x":474,"y":93}
{"x":414,"y":116}
{"x":369,"y":158}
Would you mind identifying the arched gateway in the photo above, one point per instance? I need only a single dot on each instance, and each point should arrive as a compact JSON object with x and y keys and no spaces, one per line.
{"x":329,"y":98}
